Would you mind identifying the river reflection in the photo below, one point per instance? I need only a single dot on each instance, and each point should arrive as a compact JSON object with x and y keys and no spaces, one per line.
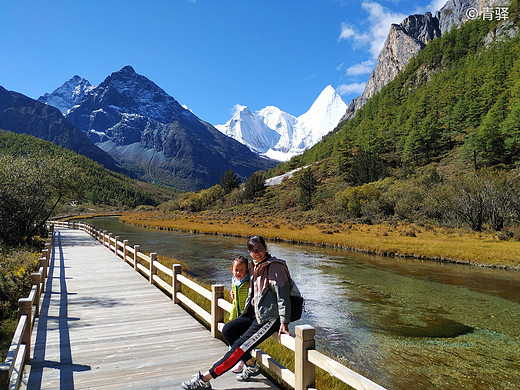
{"x":405,"y":324}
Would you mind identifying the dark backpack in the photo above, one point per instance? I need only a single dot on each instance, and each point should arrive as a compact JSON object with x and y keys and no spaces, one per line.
{"x":297,"y":302}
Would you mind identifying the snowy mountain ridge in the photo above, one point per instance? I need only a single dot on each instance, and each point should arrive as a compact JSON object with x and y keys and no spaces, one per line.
{"x":67,"y":95}
{"x":148,"y":133}
{"x":276,"y":134}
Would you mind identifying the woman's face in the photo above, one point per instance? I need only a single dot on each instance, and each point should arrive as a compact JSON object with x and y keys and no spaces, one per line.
{"x":258,"y":252}
{"x":239,"y":269}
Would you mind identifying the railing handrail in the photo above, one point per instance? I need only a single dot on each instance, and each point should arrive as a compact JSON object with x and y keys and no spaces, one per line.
{"x":306,"y":357}
{"x":28,"y":309}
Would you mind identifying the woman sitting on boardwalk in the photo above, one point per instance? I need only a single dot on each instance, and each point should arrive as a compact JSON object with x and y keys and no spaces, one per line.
{"x":267,"y":310}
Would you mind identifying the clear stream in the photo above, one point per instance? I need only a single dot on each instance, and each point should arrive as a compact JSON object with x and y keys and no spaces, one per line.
{"x":403,"y":323}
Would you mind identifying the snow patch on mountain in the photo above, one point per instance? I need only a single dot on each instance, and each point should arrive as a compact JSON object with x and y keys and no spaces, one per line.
{"x":68,"y":95}
{"x":276,"y":134}
{"x":274,"y":181}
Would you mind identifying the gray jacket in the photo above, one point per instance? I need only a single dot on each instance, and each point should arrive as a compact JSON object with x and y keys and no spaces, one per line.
{"x":271,"y":286}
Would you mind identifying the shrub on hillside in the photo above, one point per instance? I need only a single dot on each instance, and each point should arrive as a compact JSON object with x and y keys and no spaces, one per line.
{"x":16,"y":267}
{"x":32,"y":187}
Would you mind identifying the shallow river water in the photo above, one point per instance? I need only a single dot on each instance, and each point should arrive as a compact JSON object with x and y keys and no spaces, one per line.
{"x":403,"y":323}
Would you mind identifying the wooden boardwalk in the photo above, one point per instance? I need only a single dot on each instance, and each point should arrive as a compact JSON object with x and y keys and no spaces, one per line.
{"x":103,"y":326}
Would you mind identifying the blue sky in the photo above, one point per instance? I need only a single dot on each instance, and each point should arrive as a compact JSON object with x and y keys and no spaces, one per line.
{"x":208,"y":54}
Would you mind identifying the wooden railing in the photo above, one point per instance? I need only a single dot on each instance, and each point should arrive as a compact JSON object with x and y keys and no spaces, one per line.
{"x":306,"y":358}
{"x":28,"y":309}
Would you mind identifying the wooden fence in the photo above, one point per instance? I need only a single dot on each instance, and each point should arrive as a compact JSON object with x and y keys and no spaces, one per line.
{"x":306,"y":358}
{"x":28,"y":309}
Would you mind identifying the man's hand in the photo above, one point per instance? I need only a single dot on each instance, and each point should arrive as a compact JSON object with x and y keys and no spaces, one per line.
{"x":284,"y":328}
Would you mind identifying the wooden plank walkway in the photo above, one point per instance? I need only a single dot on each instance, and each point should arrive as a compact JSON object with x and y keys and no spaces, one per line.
{"x":103,"y":326}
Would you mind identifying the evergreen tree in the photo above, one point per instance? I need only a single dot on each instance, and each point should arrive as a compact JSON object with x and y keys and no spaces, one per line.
{"x":255,"y":186}
{"x":490,"y":141}
{"x":511,"y":132}
{"x":367,"y":167}
{"x":307,"y":187}
{"x":229,"y":181}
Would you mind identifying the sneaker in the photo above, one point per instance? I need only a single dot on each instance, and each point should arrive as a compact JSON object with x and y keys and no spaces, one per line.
{"x":196,"y":383}
{"x":248,"y":372}
{"x":239,"y":367}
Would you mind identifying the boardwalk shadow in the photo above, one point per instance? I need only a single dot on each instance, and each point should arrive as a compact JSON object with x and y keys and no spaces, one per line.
{"x":56,"y":285}
{"x":97,"y":301}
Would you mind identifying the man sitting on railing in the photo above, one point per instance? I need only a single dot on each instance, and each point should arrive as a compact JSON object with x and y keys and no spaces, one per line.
{"x":268,"y":309}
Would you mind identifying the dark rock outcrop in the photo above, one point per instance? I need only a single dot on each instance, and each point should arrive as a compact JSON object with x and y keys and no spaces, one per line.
{"x":21,"y":114}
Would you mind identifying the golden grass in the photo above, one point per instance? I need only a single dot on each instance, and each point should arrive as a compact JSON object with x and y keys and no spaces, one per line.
{"x":454,"y":245}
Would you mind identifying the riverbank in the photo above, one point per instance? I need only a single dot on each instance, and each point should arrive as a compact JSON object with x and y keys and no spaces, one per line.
{"x":421,"y":242}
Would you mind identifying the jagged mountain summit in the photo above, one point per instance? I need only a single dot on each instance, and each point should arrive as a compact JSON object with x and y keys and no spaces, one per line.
{"x":150,"y":134}
{"x":406,"y":39}
{"x":68,"y":95}
{"x":276,"y":134}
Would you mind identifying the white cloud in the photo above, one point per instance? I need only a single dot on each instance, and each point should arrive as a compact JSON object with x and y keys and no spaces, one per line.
{"x":361,"y":68}
{"x":379,"y":21}
{"x":346,"y":31}
{"x":345,"y":89}
{"x":433,"y":7}
{"x":436,"y":5}
{"x":349,"y":33}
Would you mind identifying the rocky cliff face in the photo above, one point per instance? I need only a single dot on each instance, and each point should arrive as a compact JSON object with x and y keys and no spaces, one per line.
{"x":406,"y":39}
{"x":403,"y":42}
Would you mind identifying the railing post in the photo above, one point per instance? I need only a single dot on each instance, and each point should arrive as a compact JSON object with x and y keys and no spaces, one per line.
{"x":48,"y":247}
{"x":50,"y":239}
{"x":217,"y":314}
{"x":136,"y":257}
{"x":45,"y":253}
{"x":25,"y":308}
{"x":104,"y":234}
{"x":125,"y":251}
{"x":176,"y":285}
{"x":153,"y":268}
{"x":115,"y":249}
{"x":36,"y":280}
{"x":304,"y":371}
{"x":42,"y":262}
{"x":109,"y":240}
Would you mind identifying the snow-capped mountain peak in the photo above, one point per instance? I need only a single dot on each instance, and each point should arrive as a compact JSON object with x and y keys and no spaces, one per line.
{"x":248,"y":129}
{"x":68,"y":95}
{"x":279,"y":135}
{"x":323,"y":116}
